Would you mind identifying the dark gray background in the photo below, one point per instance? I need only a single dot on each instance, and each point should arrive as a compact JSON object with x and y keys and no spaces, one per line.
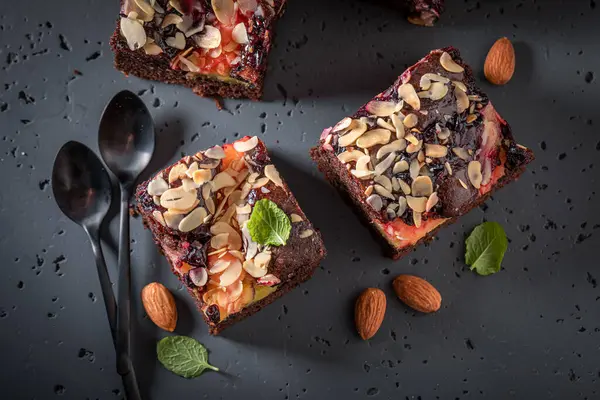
{"x":529,"y":332}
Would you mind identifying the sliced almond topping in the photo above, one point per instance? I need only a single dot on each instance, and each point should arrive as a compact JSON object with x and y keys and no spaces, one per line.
{"x":402,"y":205}
{"x":381,"y":108}
{"x":405,"y":187}
{"x":474,"y":172}
{"x":152,"y":49}
{"x":385,"y":125}
{"x":201,"y":176}
{"x":358,"y":129}
{"x":362,"y":164}
{"x":215,"y":152}
{"x":246,"y":145}
{"x":209,"y":39}
{"x":170,"y":19}
{"x":426,"y":79}
{"x":385,"y":164}
{"x":177,"y":198}
{"x":369,"y":190}
{"x":192,"y":168}
{"x":412,"y":148}
{"x":210,"y":205}
{"x":193,"y":220}
{"x":343,"y":124}
{"x":348,"y":156}
{"x":133,"y":31}
{"x":219,"y":266}
{"x":186,"y":210}
{"x":400,"y":166}
{"x":373,"y":137}
{"x":383,"y":192}
{"x":158,"y":217}
{"x":460,"y":85}
{"x":395,"y":184}
{"x":156,"y":200}
{"x":272,"y":173}
{"x":295,"y":218}
{"x":146,"y":10}
{"x":416,"y":203}
{"x":219,"y":241}
{"x":407,"y":92}
{"x":239,"y":33}
{"x":384,"y":181}
{"x":431,"y":201}
{"x":487,"y":171}
{"x":253,"y":269}
{"x":463,"y":184}
{"x":444,"y":133}
{"x":375,"y":202}
{"x":172,"y":219}
{"x":462,"y":100}
{"x":471,"y":118}
{"x":224,"y":10}
{"x":177,"y":41}
{"x":411,"y":120}
{"x":422,"y":186}
{"x":157,"y":186}
{"x":415,"y":168}
{"x":221,"y":180}
{"x":437,"y":91}
{"x":260,"y":182}
{"x":231,"y":274}
{"x":361,"y":174}
{"x":305,"y":233}
{"x":417,"y":219}
{"x":177,"y":172}
{"x":448,"y":167}
{"x":206,"y":190}
{"x":188,"y":185}
{"x":411,"y":138}
{"x":448,"y":63}
{"x":421,"y":156}
{"x":399,"y":125}
{"x":461,"y":153}
{"x":435,"y":150}
{"x":246,"y":209}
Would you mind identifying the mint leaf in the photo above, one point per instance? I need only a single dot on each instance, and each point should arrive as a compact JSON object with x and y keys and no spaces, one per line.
{"x":183,"y":356}
{"x":268,"y":224}
{"x":486,"y":246}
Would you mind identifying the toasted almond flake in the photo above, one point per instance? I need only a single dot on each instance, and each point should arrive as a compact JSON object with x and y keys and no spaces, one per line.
{"x":262,"y":259}
{"x":448,"y":167}
{"x":172,"y":220}
{"x":385,"y":125}
{"x":219,"y":266}
{"x":460,"y":85}
{"x":157,"y":186}
{"x":384,"y":181}
{"x":177,"y":198}
{"x":414,"y":168}
{"x":215,"y":152}
{"x":362,"y":164}
{"x":158,"y":217}
{"x":373,"y":137}
{"x":449,"y":64}
{"x":431,"y":201}
{"x":487,"y":171}
{"x":383,"y":192}
{"x":461,"y":153}
{"x":193,"y":220}
{"x":407,"y":92}
{"x":399,"y":125}
{"x":146,"y":11}
{"x":222,"y":180}
{"x":358,"y":129}
{"x":444,"y":133}
{"x":224,"y":10}
{"x":242,"y":146}
{"x":260,"y":183}
{"x":188,"y":185}
{"x":435,"y":150}
{"x":253,"y":269}
{"x":426,"y":79}
{"x":463,"y":184}
{"x":253,"y":177}
{"x":190,"y":171}
{"x":405,"y":187}
{"x":152,"y":49}
{"x":361,"y":174}
{"x":206,"y":190}
{"x":348,"y":156}
{"x":177,"y":41}
{"x":369,"y":190}
{"x":156,"y":200}
{"x":385,"y":164}
{"x":306,"y":233}
{"x":411,"y":138}
{"x":239,"y":33}
{"x":412,"y":148}
{"x":210,"y":205}
{"x":271,"y":172}
{"x":437,"y":91}
{"x":400,"y":166}
{"x":421,"y":156}
{"x":471,"y":118}
{"x":375,"y":202}
{"x":184,"y":210}
{"x":231,"y":274}
{"x":210,"y":39}
{"x":133,"y":31}
{"x":402,"y":205}
{"x":411,"y":120}
{"x":201,"y":176}
{"x":422,"y":186}
{"x":462,"y":101}
{"x":395,"y":184}
{"x":295,"y":218}
{"x":246,"y":209}
{"x":417,"y":219}
{"x":381,"y":108}
{"x":343,"y":125}
{"x":474,"y":172}
{"x":171,"y":19}
{"x":219,"y":241}
{"x":416,"y":203}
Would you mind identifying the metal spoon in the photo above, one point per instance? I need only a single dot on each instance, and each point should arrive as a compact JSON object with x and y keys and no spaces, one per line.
{"x":126,"y":140}
{"x":82,"y":190}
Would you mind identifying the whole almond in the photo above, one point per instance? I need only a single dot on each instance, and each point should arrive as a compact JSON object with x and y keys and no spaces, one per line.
{"x":160,"y":306}
{"x":417,"y":293}
{"x":499,"y":64}
{"x":369,"y":312}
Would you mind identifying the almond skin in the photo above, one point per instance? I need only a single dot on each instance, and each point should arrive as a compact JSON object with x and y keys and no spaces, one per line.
{"x":417,"y":293}
{"x":160,"y":306}
{"x":369,"y":312}
{"x":499,"y":64}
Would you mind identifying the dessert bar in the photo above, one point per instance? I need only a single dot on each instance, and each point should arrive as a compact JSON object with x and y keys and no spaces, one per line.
{"x":216,"y":48}
{"x":422,"y":153}
{"x":231,"y":230}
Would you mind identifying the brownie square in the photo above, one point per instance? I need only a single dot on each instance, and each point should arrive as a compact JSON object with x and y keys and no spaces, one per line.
{"x":200,"y":211}
{"x":422,"y":153}
{"x":216,"y":48}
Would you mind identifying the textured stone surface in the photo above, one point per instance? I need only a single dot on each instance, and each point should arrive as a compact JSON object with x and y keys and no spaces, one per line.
{"x":528,"y":332}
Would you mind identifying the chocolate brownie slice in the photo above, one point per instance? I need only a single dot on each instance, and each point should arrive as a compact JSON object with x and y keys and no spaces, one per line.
{"x":216,"y":48}
{"x":422,"y":153}
{"x":231,"y":230}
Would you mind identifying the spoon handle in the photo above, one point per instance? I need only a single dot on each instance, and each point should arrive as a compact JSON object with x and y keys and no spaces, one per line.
{"x":124,"y":364}
{"x":104,"y":278}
